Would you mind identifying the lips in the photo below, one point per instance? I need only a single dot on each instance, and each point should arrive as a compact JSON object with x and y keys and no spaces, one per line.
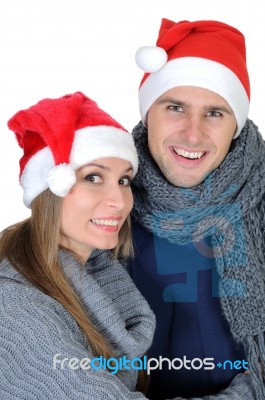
{"x":106,"y":222}
{"x":193,"y":155}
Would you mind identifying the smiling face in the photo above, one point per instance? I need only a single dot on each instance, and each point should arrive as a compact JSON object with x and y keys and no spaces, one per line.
{"x":97,"y":206}
{"x":190,"y":131}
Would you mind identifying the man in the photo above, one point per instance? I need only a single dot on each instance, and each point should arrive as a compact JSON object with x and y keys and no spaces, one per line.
{"x":199,"y":214}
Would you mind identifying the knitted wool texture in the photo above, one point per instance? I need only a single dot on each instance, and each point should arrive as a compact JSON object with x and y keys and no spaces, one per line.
{"x":34,"y":328}
{"x":229,"y":206}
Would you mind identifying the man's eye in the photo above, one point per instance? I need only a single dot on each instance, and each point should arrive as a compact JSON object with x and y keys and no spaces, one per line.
{"x":175,"y":108}
{"x":125,"y":181}
{"x":93,"y":178}
{"x":214,"y":113}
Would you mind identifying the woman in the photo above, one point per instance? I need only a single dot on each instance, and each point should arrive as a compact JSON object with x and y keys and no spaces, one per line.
{"x":66,"y":308}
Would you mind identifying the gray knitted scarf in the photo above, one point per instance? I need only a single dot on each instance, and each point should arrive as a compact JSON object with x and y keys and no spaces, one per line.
{"x":229,"y":206}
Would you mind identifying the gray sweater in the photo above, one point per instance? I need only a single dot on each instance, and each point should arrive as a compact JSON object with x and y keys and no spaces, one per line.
{"x":34,"y":328}
{"x":41,"y":346}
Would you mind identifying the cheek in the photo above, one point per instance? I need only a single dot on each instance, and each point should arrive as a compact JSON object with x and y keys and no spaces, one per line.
{"x":128,"y":200}
{"x":158,"y":133}
{"x":67,"y":216}
{"x":152,"y":134}
{"x":153,"y":142}
{"x":221,"y":153}
{"x":72,"y":209}
{"x":224,"y":147}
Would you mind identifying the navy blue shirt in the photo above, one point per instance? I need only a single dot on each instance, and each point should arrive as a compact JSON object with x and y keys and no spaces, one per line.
{"x":180,"y":283}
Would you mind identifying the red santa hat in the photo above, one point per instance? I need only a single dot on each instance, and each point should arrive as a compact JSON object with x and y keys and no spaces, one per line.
{"x":206,"y":54}
{"x":60,"y":135}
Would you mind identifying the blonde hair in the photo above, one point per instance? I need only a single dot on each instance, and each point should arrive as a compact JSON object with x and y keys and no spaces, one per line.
{"x":32,"y":248}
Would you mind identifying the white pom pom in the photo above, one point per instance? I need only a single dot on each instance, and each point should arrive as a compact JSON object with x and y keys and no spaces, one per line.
{"x":60,"y":179}
{"x":151,"y":58}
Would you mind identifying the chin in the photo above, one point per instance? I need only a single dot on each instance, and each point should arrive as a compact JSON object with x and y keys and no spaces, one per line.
{"x":107,"y":246}
{"x":187,"y":182}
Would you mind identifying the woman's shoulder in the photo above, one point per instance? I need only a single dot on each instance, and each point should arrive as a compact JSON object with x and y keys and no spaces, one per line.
{"x":21,"y":301}
{"x":16,"y":286}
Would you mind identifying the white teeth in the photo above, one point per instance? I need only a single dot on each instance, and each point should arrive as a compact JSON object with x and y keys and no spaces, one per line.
{"x":108,"y":222}
{"x":186,"y":154}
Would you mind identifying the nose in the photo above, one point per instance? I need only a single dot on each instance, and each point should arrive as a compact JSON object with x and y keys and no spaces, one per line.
{"x":192,"y":129}
{"x":115,"y":197}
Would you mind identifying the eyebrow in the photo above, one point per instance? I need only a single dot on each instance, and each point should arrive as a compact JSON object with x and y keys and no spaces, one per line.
{"x":171,"y":100}
{"x":105,"y":168}
{"x":186,"y":105}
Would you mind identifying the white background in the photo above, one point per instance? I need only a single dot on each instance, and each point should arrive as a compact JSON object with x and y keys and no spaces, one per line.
{"x":49,"y":48}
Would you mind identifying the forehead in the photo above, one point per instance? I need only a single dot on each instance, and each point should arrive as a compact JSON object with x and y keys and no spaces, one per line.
{"x":108,"y":164}
{"x":193,"y":95}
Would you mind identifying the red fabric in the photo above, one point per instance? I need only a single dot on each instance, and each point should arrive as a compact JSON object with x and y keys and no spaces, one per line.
{"x":212,"y":40}
{"x":53,"y":122}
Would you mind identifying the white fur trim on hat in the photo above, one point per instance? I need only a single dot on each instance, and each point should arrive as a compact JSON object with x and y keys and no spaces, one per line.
{"x":90,"y":143}
{"x":60,"y":179}
{"x":93,"y":142}
{"x":34,"y":177}
{"x":200,"y":72}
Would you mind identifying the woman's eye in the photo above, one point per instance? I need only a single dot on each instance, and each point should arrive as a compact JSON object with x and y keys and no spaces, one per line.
{"x":93,"y":178}
{"x":125,"y":181}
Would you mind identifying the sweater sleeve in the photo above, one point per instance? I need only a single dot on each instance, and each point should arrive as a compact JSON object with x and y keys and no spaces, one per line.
{"x":41,"y":351}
